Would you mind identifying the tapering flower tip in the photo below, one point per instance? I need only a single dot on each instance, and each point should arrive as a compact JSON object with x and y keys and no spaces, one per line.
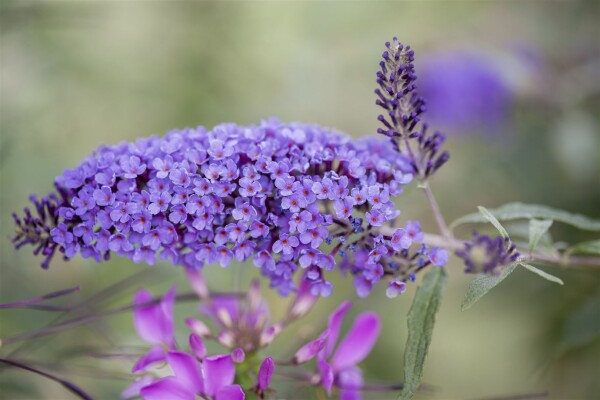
{"x":197,"y":282}
{"x":395,"y":288}
{"x":238,"y":355}
{"x":198,"y":197}
{"x":403,"y":107}
{"x":486,"y":255}
{"x":198,"y":327}
{"x":36,"y":229}
{"x":197,"y":346}
{"x":265,"y":372}
{"x":311,"y":349}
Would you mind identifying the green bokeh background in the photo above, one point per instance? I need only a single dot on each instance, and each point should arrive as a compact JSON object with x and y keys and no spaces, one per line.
{"x":75,"y":75}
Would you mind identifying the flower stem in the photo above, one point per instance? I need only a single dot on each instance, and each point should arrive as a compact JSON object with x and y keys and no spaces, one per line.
{"x":439,"y":218}
{"x":592,"y":263}
{"x":68,"y":385}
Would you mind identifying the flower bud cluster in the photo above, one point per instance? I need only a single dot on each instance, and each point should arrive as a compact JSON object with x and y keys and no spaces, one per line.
{"x":403,"y":106}
{"x":486,"y":255}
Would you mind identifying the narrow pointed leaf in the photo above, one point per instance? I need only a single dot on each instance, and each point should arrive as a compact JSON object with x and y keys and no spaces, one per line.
{"x":492,"y":220}
{"x":513,"y":211}
{"x":421,"y":319}
{"x":543,"y":274}
{"x":537,"y":229}
{"x":591,"y":248}
{"x":483,"y":284}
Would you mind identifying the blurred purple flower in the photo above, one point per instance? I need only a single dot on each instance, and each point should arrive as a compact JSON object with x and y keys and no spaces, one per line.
{"x":465,"y":91}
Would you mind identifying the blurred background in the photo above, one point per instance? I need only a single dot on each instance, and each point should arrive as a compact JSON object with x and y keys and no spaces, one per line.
{"x":515,"y":85}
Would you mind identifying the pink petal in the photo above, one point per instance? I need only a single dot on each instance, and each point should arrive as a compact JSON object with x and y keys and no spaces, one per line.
{"x":186,"y":370}
{"x":133,"y":390}
{"x":311,"y":349}
{"x":219,"y":371}
{"x":231,"y":392}
{"x":197,"y":346}
{"x":335,"y":323}
{"x":166,"y":388}
{"x":154,"y":322}
{"x":156,"y":354}
{"x":350,"y":382}
{"x":358,"y":342}
{"x":326,"y":375}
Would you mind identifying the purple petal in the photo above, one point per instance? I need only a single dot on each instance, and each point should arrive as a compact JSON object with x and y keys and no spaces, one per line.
{"x":197,"y":346}
{"x":311,"y":349}
{"x":231,"y":392}
{"x":156,"y":354}
{"x":166,"y":388}
{"x":326,"y":375}
{"x":358,"y":342}
{"x":154,"y":322}
{"x":133,"y":390}
{"x":265,"y":373}
{"x":335,"y":323}
{"x":350,"y":381}
{"x":219,"y":372}
{"x":186,"y":370}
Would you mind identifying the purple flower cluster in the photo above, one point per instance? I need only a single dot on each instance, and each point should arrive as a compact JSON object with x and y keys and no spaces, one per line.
{"x":243,"y":325}
{"x":486,"y":255}
{"x":277,"y":193}
{"x":403,"y":107}
{"x":195,"y":372}
{"x":398,"y":257}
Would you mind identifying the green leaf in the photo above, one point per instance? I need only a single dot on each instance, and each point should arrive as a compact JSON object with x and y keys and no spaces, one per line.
{"x":591,"y":247}
{"x":421,"y":319}
{"x":492,"y":220}
{"x":543,"y":274}
{"x":583,"y":324}
{"x":512,"y":211}
{"x":537,"y":229}
{"x":483,"y":284}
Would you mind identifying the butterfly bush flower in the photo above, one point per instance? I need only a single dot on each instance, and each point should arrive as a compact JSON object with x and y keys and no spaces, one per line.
{"x":403,"y":106}
{"x":486,"y":255}
{"x":272,"y":193}
{"x":465,"y":91}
